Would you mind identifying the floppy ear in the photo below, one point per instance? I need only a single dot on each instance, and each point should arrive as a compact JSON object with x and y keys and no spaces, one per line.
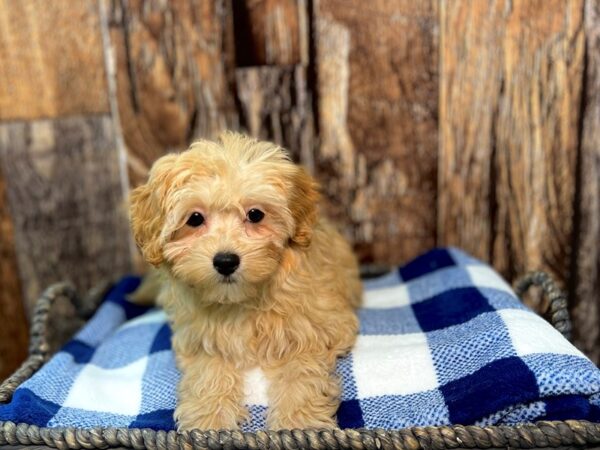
{"x":303,"y":205}
{"x":146,"y":213}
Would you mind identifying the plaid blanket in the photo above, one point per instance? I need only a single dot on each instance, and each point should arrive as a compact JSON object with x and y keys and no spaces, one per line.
{"x":443,"y":340}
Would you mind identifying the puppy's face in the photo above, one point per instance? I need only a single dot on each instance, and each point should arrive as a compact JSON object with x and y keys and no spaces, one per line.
{"x":220,"y":215}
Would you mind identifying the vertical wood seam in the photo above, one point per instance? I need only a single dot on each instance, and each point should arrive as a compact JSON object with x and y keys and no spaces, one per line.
{"x":577,"y":196}
{"x":493,"y":189}
{"x":111,"y":80}
{"x":312,"y":78}
{"x":577,"y":227}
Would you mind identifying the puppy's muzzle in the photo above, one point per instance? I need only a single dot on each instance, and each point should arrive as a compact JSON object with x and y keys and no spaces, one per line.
{"x":226,"y":263}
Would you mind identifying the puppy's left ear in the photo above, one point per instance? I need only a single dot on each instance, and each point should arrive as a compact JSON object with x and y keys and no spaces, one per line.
{"x":303,"y":205}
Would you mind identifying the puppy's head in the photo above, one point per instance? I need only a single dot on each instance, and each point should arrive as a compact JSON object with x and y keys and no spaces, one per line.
{"x":220,"y":215}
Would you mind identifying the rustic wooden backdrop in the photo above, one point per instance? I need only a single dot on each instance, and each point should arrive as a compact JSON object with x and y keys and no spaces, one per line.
{"x":472,"y":123}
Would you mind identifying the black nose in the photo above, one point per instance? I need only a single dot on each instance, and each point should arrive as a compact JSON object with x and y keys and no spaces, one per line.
{"x":226,"y":263}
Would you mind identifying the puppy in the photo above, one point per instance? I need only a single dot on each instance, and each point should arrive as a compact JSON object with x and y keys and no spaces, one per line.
{"x":253,"y":278}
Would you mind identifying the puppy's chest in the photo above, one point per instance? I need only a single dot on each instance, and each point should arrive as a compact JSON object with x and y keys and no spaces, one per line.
{"x":245,"y":339}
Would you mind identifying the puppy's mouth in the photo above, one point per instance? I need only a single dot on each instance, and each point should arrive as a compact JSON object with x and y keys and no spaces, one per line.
{"x":227,"y":279}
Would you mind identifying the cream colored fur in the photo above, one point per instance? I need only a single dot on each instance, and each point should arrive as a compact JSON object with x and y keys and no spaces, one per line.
{"x":290,"y":306}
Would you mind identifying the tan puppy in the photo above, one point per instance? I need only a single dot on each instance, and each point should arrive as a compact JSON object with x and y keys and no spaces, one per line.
{"x":253,"y":278}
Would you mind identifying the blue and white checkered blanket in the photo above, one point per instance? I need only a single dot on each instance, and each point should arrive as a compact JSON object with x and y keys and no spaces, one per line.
{"x":443,"y":340}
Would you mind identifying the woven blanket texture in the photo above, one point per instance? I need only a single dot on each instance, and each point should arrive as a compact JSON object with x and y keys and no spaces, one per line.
{"x":443,"y":340}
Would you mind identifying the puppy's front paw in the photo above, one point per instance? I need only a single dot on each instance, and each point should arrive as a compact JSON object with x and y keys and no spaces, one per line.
{"x":203,"y":416}
{"x":301,"y":405}
{"x":304,"y":393}
{"x":210,"y":394}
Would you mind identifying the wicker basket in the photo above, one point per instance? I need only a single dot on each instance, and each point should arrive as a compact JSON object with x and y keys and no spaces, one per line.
{"x":556,"y":434}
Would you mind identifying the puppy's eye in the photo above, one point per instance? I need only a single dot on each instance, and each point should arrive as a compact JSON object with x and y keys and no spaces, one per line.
{"x":255,"y":215}
{"x":195,"y":220}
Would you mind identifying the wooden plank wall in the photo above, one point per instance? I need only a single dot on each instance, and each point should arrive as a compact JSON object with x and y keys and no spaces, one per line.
{"x":376,"y":66}
{"x":174,"y":74}
{"x":13,"y":338}
{"x":584,"y":286}
{"x":518,"y":185}
{"x":512,"y":76}
{"x":58,"y":156}
{"x":438,"y":122}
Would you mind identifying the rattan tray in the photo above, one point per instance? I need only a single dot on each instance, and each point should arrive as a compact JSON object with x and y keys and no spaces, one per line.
{"x":556,"y":434}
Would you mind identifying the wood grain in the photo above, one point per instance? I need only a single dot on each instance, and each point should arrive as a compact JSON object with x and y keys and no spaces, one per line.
{"x":377,"y":84}
{"x":276,"y":105}
{"x":511,"y":84}
{"x":66,"y":200}
{"x":174,"y":64}
{"x":537,"y":139}
{"x":585,"y":283}
{"x":470,"y":86}
{"x":52,"y":62}
{"x":269,"y":32}
{"x":13,"y":332}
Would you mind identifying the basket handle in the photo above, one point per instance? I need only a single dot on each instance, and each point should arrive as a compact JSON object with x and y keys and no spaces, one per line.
{"x":39,"y":348}
{"x":558,"y":312}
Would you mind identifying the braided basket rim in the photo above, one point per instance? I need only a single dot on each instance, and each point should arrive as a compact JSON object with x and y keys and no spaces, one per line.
{"x":543,"y":434}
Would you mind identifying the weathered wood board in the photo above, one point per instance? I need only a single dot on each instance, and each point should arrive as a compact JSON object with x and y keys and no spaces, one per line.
{"x":585,"y":282}
{"x":49,"y":70}
{"x":510,"y":91}
{"x":270,"y":32}
{"x":174,"y":74}
{"x":377,"y":84}
{"x":66,"y":199}
{"x":52,"y":61}
{"x":13,"y":334}
{"x":276,"y":105}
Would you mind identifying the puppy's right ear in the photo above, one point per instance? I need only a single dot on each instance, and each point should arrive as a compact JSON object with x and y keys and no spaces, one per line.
{"x":304,"y":198}
{"x":146,"y":211}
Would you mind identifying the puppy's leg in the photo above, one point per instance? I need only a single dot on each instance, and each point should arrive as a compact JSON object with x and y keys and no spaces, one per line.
{"x":210,"y":394}
{"x":303,"y":393}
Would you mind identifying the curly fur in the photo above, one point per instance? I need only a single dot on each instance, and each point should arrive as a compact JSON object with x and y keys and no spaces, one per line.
{"x":290,"y":308}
